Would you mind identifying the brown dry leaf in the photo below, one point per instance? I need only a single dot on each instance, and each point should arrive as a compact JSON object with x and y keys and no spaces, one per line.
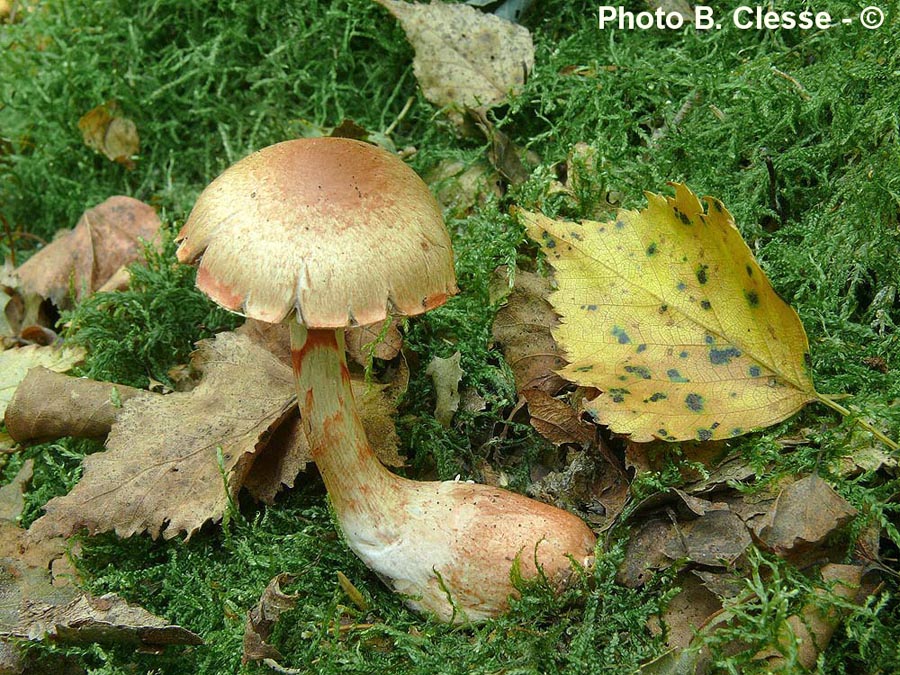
{"x":803,"y":516}
{"x":16,"y":363}
{"x":48,"y":405}
{"x":262,"y":618}
{"x":105,"y":238}
{"x":589,"y":486}
{"x":160,"y":472}
{"x":383,"y":340}
{"x":812,"y":628}
{"x":522,"y":329}
{"x":555,"y":420}
{"x":107,"y":131}
{"x":717,"y":538}
{"x":38,"y":602}
{"x":464,"y":58}
{"x":503,"y":154}
{"x":446,"y":375}
{"x":688,"y":611}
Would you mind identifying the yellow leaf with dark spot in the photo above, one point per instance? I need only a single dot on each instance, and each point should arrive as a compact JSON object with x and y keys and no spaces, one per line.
{"x":667,"y":312}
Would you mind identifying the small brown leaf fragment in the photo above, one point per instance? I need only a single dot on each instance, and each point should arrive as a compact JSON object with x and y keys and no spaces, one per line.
{"x":464,"y":57}
{"x":160,"y":472}
{"x":804,"y":515}
{"x":48,"y":405}
{"x":107,"y":131}
{"x":105,"y":238}
{"x":717,"y":538}
{"x":262,"y":618}
{"x":274,"y":337}
{"x":108,"y":619}
{"x":384,"y":341}
{"x":556,"y":421}
{"x":522,"y":329}
{"x":644,"y":553}
{"x":503,"y":154}
{"x":446,"y":375}
{"x":460,"y":187}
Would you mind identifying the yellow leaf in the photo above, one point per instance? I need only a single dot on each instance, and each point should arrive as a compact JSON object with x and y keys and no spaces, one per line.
{"x":15,"y":364}
{"x":667,"y":312}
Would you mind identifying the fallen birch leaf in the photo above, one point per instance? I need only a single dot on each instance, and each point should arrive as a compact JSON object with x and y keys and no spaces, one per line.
{"x":105,"y":238}
{"x":522,"y":329}
{"x":15,"y":364}
{"x":108,"y":132}
{"x":667,"y":312}
{"x":446,"y":375}
{"x":464,"y":58}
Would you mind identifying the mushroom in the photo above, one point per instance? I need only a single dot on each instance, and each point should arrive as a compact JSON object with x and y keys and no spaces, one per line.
{"x":328,"y":233}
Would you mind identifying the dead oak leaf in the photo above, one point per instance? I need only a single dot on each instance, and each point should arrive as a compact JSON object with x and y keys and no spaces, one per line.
{"x":464,"y":58}
{"x":106,"y":237}
{"x":161,"y":471}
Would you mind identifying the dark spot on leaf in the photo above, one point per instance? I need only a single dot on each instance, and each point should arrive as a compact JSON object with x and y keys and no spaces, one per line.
{"x":641,"y":347}
{"x":675,"y":376}
{"x":601,"y":229}
{"x":576,"y":236}
{"x":704,"y":434}
{"x":717,"y":205}
{"x":701,"y":273}
{"x":719,"y":356}
{"x":641,"y":371}
{"x":583,"y":369}
{"x":662,"y":433}
{"x":683,"y":355}
{"x":621,"y":335}
{"x":752,"y":298}
{"x":755,"y":371}
{"x":657,"y":396}
{"x":618,"y":395}
{"x":620,"y":224}
{"x":651,"y":249}
{"x":623,"y":378}
{"x":590,"y":308}
{"x":709,"y":339}
{"x":749,"y":270}
{"x":681,"y":286}
{"x":548,"y":240}
{"x":663,"y":309}
{"x":705,"y":304}
{"x":714,"y":425}
{"x":737,"y":431}
{"x":694,"y":402}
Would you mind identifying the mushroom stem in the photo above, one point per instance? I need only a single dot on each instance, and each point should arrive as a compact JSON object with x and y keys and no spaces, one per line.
{"x":356,"y":481}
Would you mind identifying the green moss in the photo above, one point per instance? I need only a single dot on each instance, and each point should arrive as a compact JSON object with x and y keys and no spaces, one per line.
{"x":796,"y":132}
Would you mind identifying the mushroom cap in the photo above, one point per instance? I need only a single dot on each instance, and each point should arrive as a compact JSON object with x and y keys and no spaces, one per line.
{"x":341,"y":231}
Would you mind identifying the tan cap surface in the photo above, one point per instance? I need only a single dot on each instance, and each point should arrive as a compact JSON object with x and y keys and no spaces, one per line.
{"x":342,"y":231}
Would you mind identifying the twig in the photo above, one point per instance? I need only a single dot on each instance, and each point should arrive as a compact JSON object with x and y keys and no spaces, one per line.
{"x":799,"y":87}
{"x":686,"y":107}
{"x":406,"y":107}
